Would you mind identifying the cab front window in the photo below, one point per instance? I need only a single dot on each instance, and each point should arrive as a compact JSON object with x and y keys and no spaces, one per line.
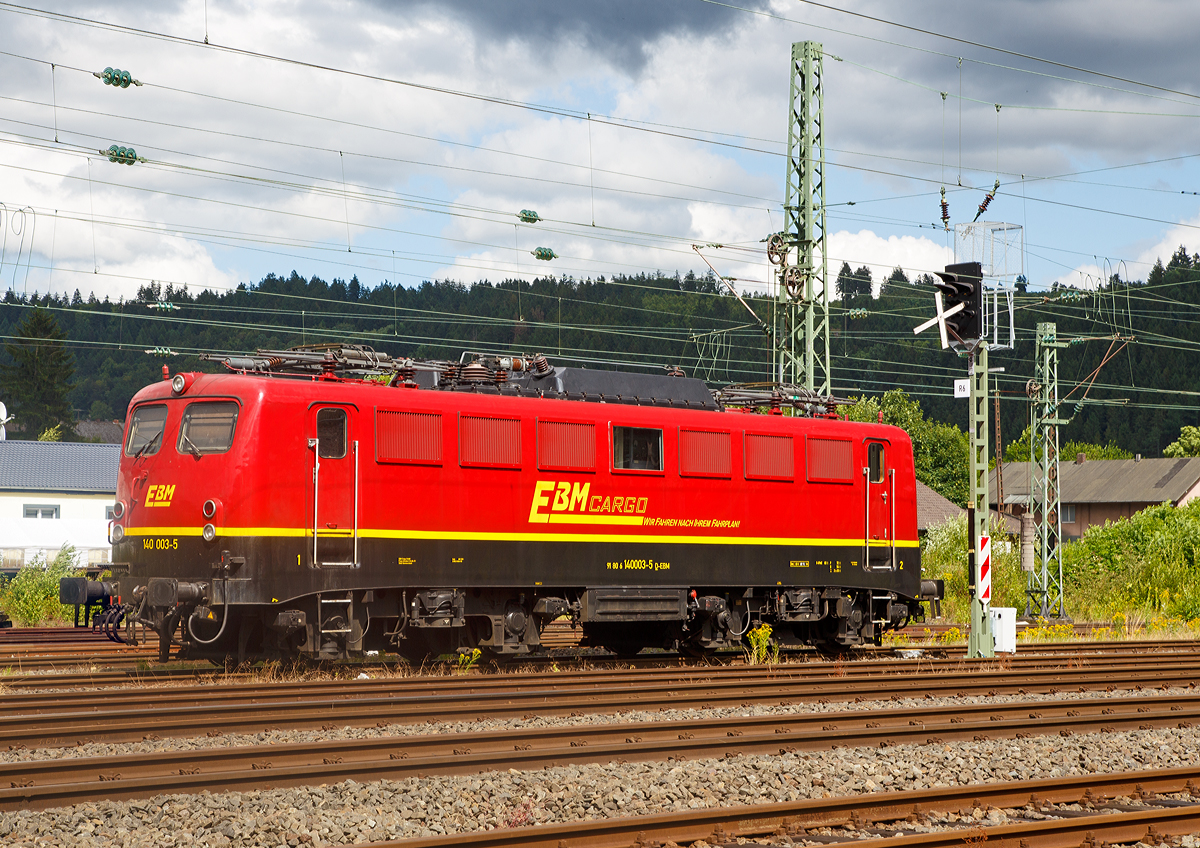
{"x":146,"y":430}
{"x":207,"y":427}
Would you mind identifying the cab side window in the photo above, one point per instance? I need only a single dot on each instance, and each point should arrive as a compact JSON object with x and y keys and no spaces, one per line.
{"x":875,"y":462}
{"x":637,"y":449}
{"x":331,"y":432}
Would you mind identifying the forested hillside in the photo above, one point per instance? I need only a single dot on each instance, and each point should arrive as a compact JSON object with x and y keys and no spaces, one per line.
{"x":1139,"y":400}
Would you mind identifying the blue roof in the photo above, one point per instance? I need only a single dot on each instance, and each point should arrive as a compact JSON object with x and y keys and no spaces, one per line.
{"x":59,"y":467}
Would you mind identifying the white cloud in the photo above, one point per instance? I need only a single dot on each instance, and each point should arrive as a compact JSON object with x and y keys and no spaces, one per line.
{"x":682,"y":69}
{"x":883,"y":253}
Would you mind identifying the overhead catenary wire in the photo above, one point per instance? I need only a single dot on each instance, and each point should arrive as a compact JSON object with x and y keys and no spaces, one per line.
{"x":343,"y":180}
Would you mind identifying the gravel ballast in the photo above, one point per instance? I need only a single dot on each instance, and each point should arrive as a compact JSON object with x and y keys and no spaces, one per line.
{"x":349,"y":812}
{"x":279,"y":737}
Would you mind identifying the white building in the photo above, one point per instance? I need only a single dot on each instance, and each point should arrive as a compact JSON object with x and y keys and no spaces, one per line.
{"x":56,"y":493}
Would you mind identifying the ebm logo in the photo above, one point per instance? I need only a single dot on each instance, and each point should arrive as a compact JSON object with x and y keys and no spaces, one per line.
{"x":573,"y":503}
{"x":160,"y":495}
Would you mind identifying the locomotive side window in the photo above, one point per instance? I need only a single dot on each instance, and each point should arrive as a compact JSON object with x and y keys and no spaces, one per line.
{"x":875,"y":462}
{"x":566,"y":446}
{"x":146,"y":430}
{"x":207,"y":428}
{"x":408,"y":437}
{"x":830,"y":460}
{"x":637,"y":449}
{"x":770,"y":457}
{"x":704,"y":454}
{"x":331,"y":432}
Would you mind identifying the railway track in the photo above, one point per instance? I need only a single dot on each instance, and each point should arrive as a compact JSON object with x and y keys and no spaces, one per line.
{"x":1089,"y":811}
{"x":67,"y":718}
{"x":110,"y":664}
{"x":48,"y":783}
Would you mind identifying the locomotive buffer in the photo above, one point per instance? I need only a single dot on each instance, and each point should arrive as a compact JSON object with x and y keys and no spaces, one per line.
{"x":962,"y":285}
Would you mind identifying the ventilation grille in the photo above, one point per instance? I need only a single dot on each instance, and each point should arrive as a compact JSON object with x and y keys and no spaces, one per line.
{"x":830,"y":460}
{"x":414,"y":437}
{"x":566,"y":446}
{"x":703,"y":454}
{"x":489,"y":442}
{"x":770,"y":457}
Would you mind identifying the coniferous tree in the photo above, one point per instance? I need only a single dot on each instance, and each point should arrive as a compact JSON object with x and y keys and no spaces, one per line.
{"x":36,"y":381}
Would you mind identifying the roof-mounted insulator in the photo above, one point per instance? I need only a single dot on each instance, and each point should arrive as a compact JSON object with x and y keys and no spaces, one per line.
{"x":475,"y":372}
{"x":528,"y":216}
{"x":541,"y":365}
{"x":544,"y":253}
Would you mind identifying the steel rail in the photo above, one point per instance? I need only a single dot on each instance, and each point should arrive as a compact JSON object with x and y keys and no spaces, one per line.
{"x":65,"y":656}
{"x":240,"y":686}
{"x":249,"y":691}
{"x":789,"y":821}
{"x":196,"y":673}
{"x":49,"y":727}
{"x":46,"y":783}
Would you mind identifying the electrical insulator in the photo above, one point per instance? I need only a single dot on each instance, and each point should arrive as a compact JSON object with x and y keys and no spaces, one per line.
{"x":945,"y":210}
{"x":528,"y":216}
{"x":544,"y":253}
{"x":164,"y":305}
{"x":159,"y":351}
{"x":116,"y":77}
{"x":124,"y":155}
{"x":858,"y":313}
{"x":987,"y":200}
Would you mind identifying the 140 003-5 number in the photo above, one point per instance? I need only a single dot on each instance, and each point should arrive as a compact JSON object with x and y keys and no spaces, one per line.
{"x":160,"y":544}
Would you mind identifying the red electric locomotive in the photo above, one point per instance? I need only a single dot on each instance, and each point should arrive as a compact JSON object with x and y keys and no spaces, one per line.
{"x":326,"y":502}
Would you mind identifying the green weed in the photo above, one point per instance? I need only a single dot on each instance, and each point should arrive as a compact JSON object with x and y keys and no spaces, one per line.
{"x":31,"y":597}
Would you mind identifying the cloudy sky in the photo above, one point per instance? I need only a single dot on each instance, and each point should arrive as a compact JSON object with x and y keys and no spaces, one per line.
{"x":398,"y":140}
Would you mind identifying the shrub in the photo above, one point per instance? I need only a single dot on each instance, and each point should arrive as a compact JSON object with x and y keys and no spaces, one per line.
{"x":1148,"y":563}
{"x":31,"y":597}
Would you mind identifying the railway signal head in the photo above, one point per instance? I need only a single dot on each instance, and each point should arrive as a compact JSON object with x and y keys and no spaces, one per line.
{"x":963,"y":284}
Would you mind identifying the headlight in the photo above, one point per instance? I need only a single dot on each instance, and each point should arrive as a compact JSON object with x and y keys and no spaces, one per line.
{"x":117,"y":534}
{"x":119,"y":509}
{"x":210,"y":508}
{"x":209,"y":532}
{"x":178,"y":384}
